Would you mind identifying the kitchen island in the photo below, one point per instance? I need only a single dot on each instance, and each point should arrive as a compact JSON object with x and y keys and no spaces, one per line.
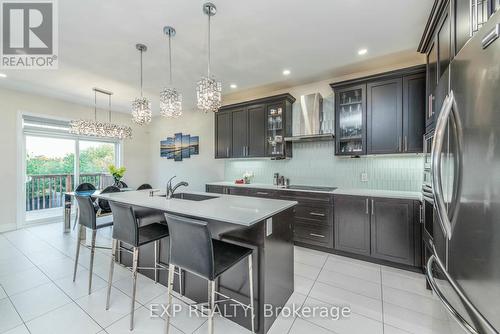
{"x":264,"y":225}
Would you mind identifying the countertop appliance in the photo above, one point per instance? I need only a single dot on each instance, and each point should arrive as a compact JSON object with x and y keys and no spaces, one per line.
{"x":466,"y":187}
{"x":312,"y":118}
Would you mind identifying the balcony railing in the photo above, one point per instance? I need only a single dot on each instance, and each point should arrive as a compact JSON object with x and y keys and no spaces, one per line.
{"x":47,"y":191}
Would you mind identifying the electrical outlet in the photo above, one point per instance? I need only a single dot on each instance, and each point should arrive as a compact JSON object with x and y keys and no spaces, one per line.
{"x":364,"y":177}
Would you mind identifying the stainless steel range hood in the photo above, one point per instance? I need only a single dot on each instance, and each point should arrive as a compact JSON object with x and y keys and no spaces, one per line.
{"x":312,"y":118}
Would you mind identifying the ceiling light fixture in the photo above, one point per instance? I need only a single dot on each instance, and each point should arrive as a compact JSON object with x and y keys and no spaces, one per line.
{"x":3,"y":75}
{"x":141,"y":106}
{"x":170,"y":98}
{"x":95,"y":128}
{"x":233,"y":86}
{"x":362,"y":52}
{"x":208,"y":90}
{"x":286,"y":72}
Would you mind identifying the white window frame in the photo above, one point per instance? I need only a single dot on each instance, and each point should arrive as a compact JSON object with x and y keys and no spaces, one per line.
{"x":21,"y":157}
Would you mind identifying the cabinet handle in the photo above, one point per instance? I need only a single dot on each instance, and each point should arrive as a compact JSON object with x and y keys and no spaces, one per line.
{"x":373,"y":211}
{"x":400,"y":144}
{"x":227,"y":152}
{"x":316,"y":235}
{"x":421,"y":214}
{"x":406,"y":143}
{"x":317,"y":214}
{"x":261,"y":193}
{"x":367,"y":212}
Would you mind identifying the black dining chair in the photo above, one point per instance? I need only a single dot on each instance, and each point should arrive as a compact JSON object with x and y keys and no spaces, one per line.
{"x":102,"y":204}
{"x":121,"y":184}
{"x":87,"y":219}
{"x":80,"y":188}
{"x":144,"y":186}
{"x":126,"y":229}
{"x":193,"y":249}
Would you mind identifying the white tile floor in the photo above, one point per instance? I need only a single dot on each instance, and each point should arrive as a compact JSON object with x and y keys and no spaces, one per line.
{"x":37,"y":294}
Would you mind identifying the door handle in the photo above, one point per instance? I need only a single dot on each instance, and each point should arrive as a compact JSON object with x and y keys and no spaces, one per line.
{"x":462,"y":322}
{"x":449,"y":108}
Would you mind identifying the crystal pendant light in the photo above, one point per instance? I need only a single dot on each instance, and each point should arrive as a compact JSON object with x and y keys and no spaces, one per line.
{"x":95,"y":128}
{"x":170,"y":98}
{"x":208,"y":90}
{"x":141,"y":106}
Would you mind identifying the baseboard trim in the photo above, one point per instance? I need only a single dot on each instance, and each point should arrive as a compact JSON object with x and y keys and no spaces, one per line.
{"x":7,"y":227}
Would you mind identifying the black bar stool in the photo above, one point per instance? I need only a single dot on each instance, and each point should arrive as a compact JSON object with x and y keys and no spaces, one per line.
{"x":193,"y":249}
{"x":127,"y":229}
{"x":87,"y":217}
{"x":82,"y":187}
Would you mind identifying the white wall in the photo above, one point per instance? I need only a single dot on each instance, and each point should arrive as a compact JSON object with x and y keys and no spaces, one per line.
{"x":198,"y":169}
{"x":135,"y":150}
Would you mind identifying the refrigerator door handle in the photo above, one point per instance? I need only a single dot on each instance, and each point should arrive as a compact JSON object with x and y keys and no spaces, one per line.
{"x":454,"y":313}
{"x":449,"y":108}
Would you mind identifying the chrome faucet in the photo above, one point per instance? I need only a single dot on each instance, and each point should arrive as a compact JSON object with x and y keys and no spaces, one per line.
{"x":170,"y":190}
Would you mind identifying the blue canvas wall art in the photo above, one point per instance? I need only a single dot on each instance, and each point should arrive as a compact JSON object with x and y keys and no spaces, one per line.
{"x":180,"y":147}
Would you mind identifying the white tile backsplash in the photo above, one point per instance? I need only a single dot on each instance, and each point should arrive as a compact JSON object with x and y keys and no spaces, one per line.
{"x":316,"y":164}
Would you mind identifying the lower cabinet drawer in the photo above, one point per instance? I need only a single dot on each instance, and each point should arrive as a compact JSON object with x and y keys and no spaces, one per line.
{"x":319,"y":235}
{"x":316,"y":213}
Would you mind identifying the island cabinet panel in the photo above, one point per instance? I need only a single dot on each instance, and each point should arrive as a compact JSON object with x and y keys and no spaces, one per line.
{"x":223,"y":134}
{"x":385,"y":116}
{"x":352,"y":224}
{"x":392,"y":233}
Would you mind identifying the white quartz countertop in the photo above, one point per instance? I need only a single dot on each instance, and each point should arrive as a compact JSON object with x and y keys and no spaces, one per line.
{"x":225,"y":208}
{"x":415,"y":195}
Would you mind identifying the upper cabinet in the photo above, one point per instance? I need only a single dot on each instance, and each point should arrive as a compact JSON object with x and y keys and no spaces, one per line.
{"x":381,"y":114}
{"x":450,"y":25}
{"x":254,"y":128}
{"x":350,"y":113}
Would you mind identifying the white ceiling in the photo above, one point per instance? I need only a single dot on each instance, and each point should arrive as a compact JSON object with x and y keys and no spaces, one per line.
{"x":252,"y":42}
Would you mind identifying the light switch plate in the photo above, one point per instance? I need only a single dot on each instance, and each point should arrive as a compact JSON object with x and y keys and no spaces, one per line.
{"x":364,"y":177}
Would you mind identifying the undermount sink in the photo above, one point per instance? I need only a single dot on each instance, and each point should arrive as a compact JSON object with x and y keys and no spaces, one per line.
{"x":191,"y":197}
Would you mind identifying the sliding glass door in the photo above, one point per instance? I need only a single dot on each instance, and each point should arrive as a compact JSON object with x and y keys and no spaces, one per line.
{"x":56,"y":162}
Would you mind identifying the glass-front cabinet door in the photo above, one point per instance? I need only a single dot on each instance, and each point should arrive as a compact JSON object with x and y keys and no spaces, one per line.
{"x":275,"y":130}
{"x":350,"y":112}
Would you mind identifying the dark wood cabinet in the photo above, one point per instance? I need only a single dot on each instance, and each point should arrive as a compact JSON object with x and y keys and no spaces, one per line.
{"x":243,"y":130}
{"x":240,"y":132}
{"x":383,"y":114}
{"x":384,"y":111}
{"x":413,"y":106}
{"x":257,"y":139}
{"x":444,"y":43}
{"x":392,"y":230}
{"x":223,"y":134}
{"x":432,"y":78}
{"x":352,"y":224}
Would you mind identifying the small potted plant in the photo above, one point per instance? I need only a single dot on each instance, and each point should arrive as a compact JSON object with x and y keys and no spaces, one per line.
{"x":247,"y":176}
{"x":117,"y":174}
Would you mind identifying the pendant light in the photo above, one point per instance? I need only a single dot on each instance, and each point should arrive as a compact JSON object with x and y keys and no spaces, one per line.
{"x":141,"y":106}
{"x":95,"y":128}
{"x":170,"y":98}
{"x":208,"y":90}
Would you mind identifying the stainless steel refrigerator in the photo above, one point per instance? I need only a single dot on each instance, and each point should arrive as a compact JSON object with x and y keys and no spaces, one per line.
{"x":466,"y":186}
